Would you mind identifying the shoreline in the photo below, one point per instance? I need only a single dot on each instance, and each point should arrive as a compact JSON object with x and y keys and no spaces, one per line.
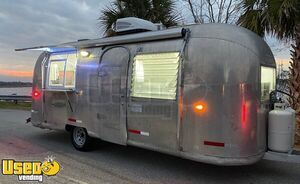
{"x":15,"y":86}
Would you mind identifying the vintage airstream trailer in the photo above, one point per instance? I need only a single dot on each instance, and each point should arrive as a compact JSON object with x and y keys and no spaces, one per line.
{"x":199,"y":92}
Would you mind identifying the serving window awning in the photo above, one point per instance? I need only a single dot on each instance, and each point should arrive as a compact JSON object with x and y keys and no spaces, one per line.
{"x":115,"y":40}
{"x":50,"y":48}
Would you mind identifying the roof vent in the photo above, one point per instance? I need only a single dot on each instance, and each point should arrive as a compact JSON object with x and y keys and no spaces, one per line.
{"x":133,"y":25}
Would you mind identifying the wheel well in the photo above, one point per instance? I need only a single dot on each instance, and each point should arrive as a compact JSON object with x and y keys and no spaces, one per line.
{"x":68,"y":128}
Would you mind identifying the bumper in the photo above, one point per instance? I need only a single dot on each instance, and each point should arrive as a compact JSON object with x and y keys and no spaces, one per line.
{"x":225,"y":161}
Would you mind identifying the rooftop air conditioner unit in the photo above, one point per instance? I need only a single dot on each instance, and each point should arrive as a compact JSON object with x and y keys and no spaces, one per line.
{"x":133,"y":25}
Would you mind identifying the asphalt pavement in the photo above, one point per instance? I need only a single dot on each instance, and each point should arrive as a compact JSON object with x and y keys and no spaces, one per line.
{"x":110,"y":163}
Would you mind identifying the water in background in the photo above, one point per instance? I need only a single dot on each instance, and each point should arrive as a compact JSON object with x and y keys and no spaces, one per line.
{"x":18,"y":91}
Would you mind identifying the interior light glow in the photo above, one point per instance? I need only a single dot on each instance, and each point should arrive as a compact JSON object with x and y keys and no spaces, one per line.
{"x":155,"y":75}
{"x":84,"y":53}
{"x":139,"y":72}
{"x":47,"y":49}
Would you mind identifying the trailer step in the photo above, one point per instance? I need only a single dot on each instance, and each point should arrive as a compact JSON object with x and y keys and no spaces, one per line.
{"x":292,"y":157}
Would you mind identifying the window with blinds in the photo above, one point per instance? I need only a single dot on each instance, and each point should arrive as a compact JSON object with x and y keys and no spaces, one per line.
{"x":155,"y":75}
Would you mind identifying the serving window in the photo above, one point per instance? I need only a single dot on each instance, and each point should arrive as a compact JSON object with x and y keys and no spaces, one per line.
{"x":268,"y":82}
{"x":155,"y":75}
{"x":62,"y":70}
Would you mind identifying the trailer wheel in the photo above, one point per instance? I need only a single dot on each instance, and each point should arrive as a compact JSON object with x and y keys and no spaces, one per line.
{"x":80,"y":139}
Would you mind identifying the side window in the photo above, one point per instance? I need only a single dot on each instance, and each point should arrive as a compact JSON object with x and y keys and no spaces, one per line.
{"x":62,"y":70}
{"x":56,"y":73}
{"x":155,"y":75}
{"x":268,"y":82}
{"x":70,"y":71}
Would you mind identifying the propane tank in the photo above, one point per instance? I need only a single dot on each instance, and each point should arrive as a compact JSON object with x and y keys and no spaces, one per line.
{"x":280,"y":130}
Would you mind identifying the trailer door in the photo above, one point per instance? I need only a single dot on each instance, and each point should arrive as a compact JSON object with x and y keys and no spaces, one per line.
{"x":112,"y":82}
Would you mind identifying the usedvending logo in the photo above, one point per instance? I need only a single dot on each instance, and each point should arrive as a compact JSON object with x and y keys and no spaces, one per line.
{"x":30,"y":170}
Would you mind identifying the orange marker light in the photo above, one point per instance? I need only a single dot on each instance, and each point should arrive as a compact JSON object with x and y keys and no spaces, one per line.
{"x":200,"y":107}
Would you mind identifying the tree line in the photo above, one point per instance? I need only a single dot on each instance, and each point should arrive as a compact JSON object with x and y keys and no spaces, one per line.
{"x":14,"y":84}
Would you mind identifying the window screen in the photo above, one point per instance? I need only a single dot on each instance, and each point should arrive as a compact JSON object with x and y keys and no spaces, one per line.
{"x":62,"y":70}
{"x":155,"y":75}
{"x":268,"y":80}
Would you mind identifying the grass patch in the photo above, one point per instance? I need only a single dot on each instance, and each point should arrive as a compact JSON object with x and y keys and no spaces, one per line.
{"x":12,"y":105}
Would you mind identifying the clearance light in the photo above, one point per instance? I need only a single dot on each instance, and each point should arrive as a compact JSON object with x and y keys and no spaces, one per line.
{"x":200,"y":107}
{"x":84,"y":53}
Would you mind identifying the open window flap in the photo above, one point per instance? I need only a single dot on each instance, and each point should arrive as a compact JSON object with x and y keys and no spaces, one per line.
{"x":116,"y":40}
{"x":52,"y":48}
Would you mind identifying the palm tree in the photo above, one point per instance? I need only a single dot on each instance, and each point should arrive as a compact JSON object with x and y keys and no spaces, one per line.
{"x":280,"y":18}
{"x":157,"y":11}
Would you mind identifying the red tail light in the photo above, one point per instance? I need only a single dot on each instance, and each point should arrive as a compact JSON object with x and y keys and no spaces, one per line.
{"x":244,"y":114}
{"x":36,"y":94}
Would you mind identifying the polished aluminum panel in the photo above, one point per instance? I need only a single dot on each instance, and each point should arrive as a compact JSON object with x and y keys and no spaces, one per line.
{"x":37,"y":108}
{"x":219,"y":73}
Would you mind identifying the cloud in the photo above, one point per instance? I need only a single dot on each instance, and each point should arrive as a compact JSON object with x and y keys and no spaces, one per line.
{"x":25,"y":23}
{"x":38,"y":22}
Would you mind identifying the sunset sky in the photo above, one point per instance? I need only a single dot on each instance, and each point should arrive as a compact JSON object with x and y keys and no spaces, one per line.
{"x":25,"y":23}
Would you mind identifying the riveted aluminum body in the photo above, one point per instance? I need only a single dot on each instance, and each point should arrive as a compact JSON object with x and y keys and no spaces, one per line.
{"x":219,"y":67}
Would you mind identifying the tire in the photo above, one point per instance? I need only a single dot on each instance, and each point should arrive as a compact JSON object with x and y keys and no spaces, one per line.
{"x":80,"y":139}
